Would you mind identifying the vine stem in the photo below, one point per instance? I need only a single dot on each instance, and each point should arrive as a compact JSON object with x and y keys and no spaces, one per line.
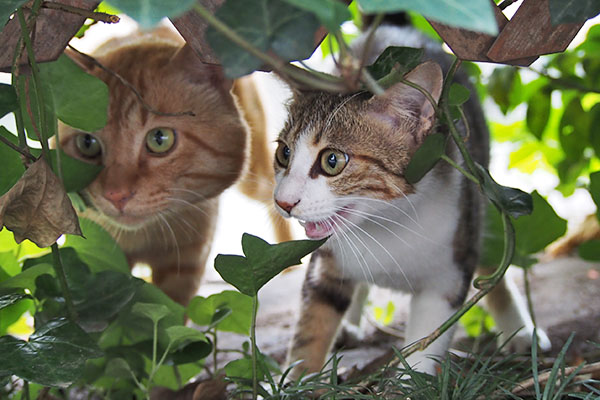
{"x":317,"y":81}
{"x":97,"y":16}
{"x":62,"y":279}
{"x":254,"y":348}
{"x":24,"y":152}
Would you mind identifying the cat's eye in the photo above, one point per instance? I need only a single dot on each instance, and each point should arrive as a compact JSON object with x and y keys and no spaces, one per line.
{"x":88,"y":145}
{"x":160,"y":140}
{"x":333,"y":161}
{"x":282,"y":155}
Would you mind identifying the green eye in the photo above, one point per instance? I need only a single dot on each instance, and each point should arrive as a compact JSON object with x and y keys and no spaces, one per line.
{"x":88,"y":145}
{"x":333,"y":161}
{"x":282,"y":155}
{"x":160,"y":140}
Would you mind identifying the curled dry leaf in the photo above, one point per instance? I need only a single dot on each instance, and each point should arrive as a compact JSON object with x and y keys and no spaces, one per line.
{"x":37,"y":207}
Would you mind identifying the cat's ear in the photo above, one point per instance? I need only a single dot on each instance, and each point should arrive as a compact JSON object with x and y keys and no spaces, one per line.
{"x":404,"y":106}
{"x":196,"y":71}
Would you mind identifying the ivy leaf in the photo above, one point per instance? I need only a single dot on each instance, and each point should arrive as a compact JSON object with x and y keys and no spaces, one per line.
{"x":179,"y":334}
{"x":97,"y":248}
{"x":262,"y":262}
{"x":76,"y":174}
{"x":594,"y":132}
{"x":514,"y":201}
{"x":590,"y":250}
{"x":31,"y":108}
{"x":458,"y":94}
{"x":398,"y":60}
{"x":7,"y":8}
{"x":12,"y":166}
{"x":503,"y":85}
{"x":573,"y":11}
{"x":331,"y":13}
{"x":37,"y":207}
{"x":148,"y":13}
{"x":425,"y":158}
{"x":12,"y":298}
{"x":212,"y":311}
{"x":55,"y":354}
{"x":80,"y":101}
{"x":269,"y":25}
{"x":595,"y":190}
{"x":573,"y":131}
{"x":8,"y":99}
{"x":478,"y":15}
{"x":26,"y":279}
{"x":538,"y":112}
{"x":155,"y":312}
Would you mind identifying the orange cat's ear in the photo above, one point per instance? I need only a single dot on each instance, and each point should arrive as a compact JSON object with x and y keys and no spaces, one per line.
{"x":196,"y":71}
{"x":84,"y":61}
{"x":401,"y":103}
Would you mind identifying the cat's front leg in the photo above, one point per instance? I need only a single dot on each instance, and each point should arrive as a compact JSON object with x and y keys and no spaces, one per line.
{"x":325,"y":298}
{"x":428,"y":310}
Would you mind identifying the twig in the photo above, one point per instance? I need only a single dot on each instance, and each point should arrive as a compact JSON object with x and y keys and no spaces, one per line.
{"x":543,"y":377}
{"x":98,"y":16}
{"x":62,"y":280}
{"x":565,"y":83}
{"x":131,"y":87}
{"x":24,"y":152}
{"x":463,"y":171}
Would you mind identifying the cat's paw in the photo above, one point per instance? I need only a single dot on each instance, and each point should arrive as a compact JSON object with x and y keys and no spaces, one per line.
{"x":521,"y":342}
{"x":350,"y":336}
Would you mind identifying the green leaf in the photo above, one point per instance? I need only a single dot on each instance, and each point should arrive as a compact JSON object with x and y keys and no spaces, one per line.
{"x":398,"y":60}
{"x":571,"y":11}
{"x":477,"y":321}
{"x":595,"y":190}
{"x":538,"y":112}
{"x":477,"y":15}
{"x":155,"y":312}
{"x":594,"y":132}
{"x":514,"y":201}
{"x":12,"y":166}
{"x":458,"y":94}
{"x":502,"y":83}
{"x":425,"y":158}
{"x":270,"y":25}
{"x":31,"y":108}
{"x":331,"y":13}
{"x":590,"y":250}
{"x":12,"y":298}
{"x":76,"y":174}
{"x":574,"y":125}
{"x":11,"y":314}
{"x":536,"y":231}
{"x":26,"y":279}
{"x":118,"y":368}
{"x":263,"y":261}
{"x":80,"y":99}
{"x":97,"y":248}
{"x":8,"y":99}
{"x":179,"y":334}
{"x":7,"y":7}
{"x":202,"y":311}
{"x":242,"y":368}
{"x":148,"y":13}
{"x":55,"y":354}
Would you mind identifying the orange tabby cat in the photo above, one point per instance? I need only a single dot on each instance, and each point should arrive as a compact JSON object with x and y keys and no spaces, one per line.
{"x":158,"y":192}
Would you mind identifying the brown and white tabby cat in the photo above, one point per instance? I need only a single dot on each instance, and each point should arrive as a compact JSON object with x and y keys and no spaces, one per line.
{"x":340,"y":171}
{"x":158,"y":192}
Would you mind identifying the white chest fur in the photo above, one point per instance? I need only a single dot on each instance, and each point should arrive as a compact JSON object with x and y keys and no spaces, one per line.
{"x":408,"y":244}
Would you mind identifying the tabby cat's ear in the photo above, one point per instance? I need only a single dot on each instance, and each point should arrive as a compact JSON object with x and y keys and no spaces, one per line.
{"x":196,"y":71}
{"x":404,"y":106}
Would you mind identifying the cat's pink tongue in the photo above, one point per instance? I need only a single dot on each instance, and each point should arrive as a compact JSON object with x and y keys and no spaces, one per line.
{"x":316,"y":230}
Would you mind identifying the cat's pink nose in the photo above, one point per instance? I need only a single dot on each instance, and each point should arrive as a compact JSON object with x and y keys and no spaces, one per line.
{"x":286,"y":206}
{"x":118,"y":197}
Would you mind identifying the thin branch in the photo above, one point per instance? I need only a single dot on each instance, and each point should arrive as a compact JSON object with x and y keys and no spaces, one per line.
{"x":24,"y":152}
{"x":131,"y":87}
{"x":543,"y":377}
{"x":565,"y":83}
{"x":98,"y":16}
{"x":463,"y":171}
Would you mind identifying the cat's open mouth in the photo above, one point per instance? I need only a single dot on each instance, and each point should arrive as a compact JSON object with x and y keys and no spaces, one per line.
{"x":320,"y":229}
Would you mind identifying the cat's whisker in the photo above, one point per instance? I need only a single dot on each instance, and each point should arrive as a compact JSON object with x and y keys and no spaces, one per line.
{"x":408,"y":200}
{"x":189,"y":204}
{"x":198,"y":195}
{"x":338,"y":108}
{"x":383,"y":248}
{"x":166,"y":222}
{"x":362,"y":262}
{"x":385,"y":204}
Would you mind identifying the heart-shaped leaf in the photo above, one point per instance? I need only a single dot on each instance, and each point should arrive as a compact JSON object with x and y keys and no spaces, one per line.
{"x":8,"y":99}
{"x":262,"y":262}
{"x":155,"y":312}
{"x":425,"y":158}
{"x":400,"y":60}
{"x":228,"y":311}
{"x":514,"y":201}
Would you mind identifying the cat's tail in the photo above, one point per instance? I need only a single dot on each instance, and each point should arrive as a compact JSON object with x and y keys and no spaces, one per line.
{"x":259,"y":179}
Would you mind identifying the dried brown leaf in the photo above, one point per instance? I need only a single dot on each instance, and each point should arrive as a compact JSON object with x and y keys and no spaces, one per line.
{"x":38,"y":208}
